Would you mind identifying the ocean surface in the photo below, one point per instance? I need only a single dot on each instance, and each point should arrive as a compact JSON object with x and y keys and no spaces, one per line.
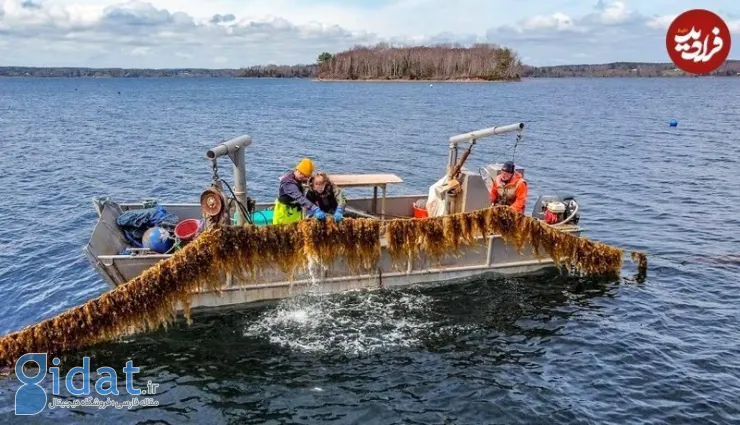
{"x":550,"y":350}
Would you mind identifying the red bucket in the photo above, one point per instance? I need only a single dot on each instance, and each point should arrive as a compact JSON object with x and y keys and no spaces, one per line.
{"x":187,"y":229}
{"x":420,"y":212}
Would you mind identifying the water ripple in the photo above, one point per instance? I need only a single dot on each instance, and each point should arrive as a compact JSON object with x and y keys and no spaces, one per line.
{"x":547,"y":350}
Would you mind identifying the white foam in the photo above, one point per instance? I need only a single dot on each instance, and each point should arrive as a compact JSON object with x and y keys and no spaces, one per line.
{"x":355,"y":322}
{"x":352,"y":323}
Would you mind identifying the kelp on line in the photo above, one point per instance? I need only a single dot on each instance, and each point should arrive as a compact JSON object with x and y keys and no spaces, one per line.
{"x":150,"y":300}
{"x":444,"y":235}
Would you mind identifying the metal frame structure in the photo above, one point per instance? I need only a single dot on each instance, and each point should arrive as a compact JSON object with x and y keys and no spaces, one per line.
{"x":473,"y":137}
{"x":235,"y":148}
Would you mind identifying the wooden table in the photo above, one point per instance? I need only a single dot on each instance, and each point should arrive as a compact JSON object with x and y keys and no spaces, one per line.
{"x":368,"y":180}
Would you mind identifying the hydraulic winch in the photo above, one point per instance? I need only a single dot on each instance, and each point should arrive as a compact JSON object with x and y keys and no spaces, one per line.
{"x":217,"y":208}
{"x":213,"y":207}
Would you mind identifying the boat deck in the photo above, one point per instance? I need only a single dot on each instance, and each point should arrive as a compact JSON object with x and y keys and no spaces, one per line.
{"x":491,"y":254}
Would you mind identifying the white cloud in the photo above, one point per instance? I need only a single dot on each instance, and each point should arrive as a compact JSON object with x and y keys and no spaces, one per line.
{"x":23,"y":14}
{"x":230,"y":33}
{"x":557,"y":21}
{"x":153,"y":35}
{"x":661,"y":22}
{"x":141,"y":51}
{"x":734,"y":26}
{"x":615,"y":12}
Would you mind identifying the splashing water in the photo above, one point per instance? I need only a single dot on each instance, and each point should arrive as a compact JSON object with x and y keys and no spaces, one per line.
{"x":353,"y":323}
{"x":315,"y":268}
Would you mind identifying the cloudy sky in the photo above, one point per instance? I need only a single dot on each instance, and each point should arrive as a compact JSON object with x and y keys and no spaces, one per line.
{"x":235,"y":33}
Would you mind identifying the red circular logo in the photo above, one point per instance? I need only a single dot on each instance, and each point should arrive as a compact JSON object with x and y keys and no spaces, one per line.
{"x":698,"y":41}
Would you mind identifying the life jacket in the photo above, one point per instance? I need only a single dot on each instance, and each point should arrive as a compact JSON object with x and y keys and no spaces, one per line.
{"x":507,"y":191}
{"x":325,"y":200}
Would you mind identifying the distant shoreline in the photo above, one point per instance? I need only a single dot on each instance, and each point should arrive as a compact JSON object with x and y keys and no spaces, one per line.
{"x":406,"y":80}
{"x":731,"y":68}
{"x":333,"y":80}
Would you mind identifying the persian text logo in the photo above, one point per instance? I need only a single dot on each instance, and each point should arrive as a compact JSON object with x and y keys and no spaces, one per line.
{"x":698,"y":41}
{"x":31,"y":398}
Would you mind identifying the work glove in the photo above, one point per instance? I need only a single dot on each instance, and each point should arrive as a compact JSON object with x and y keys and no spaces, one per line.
{"x":315,"y":211}
{"x":338,"y":215}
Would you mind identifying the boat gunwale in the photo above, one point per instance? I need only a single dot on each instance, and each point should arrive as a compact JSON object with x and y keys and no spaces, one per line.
{"x":570,"y":229}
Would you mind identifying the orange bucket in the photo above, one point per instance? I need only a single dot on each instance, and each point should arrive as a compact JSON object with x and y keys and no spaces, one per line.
{"x":420,"y":212}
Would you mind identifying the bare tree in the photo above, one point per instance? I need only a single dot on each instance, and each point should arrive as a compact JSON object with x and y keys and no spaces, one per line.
{"x":438,"y":62}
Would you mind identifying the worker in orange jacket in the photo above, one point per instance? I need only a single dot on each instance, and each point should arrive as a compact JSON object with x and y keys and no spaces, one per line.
{"x":509,"y":188}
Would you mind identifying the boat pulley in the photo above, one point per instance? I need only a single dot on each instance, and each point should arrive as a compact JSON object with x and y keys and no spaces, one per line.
{"x":212,"y":202}
{"x":213,"y":206}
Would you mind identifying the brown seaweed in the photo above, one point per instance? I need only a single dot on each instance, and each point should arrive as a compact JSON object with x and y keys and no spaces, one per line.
{"x":151,"y":299}
{"x":440,"y":236}
{"x":642,"y":264}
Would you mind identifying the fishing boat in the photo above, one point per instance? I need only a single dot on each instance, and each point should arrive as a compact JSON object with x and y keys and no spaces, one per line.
{"x":460,"y":190}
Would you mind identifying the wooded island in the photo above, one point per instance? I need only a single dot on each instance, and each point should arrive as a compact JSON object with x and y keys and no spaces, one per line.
{"x":480,"y":62}
{"x":382,"y":62}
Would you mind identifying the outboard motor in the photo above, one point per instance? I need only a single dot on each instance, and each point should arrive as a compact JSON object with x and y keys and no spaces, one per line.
{"x":556,"y":210}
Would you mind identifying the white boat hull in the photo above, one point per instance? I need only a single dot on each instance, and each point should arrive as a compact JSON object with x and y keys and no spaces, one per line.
{"x":271,"y":291}
{"x":486,"y":256}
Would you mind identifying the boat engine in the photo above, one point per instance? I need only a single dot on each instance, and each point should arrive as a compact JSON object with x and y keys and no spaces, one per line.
{"x":556,"y":210}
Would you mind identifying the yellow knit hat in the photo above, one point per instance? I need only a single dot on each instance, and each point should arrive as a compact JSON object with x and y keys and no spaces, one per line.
{"x":305,"y":167}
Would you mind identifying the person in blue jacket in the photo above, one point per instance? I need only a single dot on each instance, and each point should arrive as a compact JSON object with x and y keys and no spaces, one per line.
{"x":291,"y":199}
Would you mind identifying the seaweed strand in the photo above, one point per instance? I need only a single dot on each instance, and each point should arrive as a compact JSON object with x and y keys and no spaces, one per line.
{"x":152,"y":299}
